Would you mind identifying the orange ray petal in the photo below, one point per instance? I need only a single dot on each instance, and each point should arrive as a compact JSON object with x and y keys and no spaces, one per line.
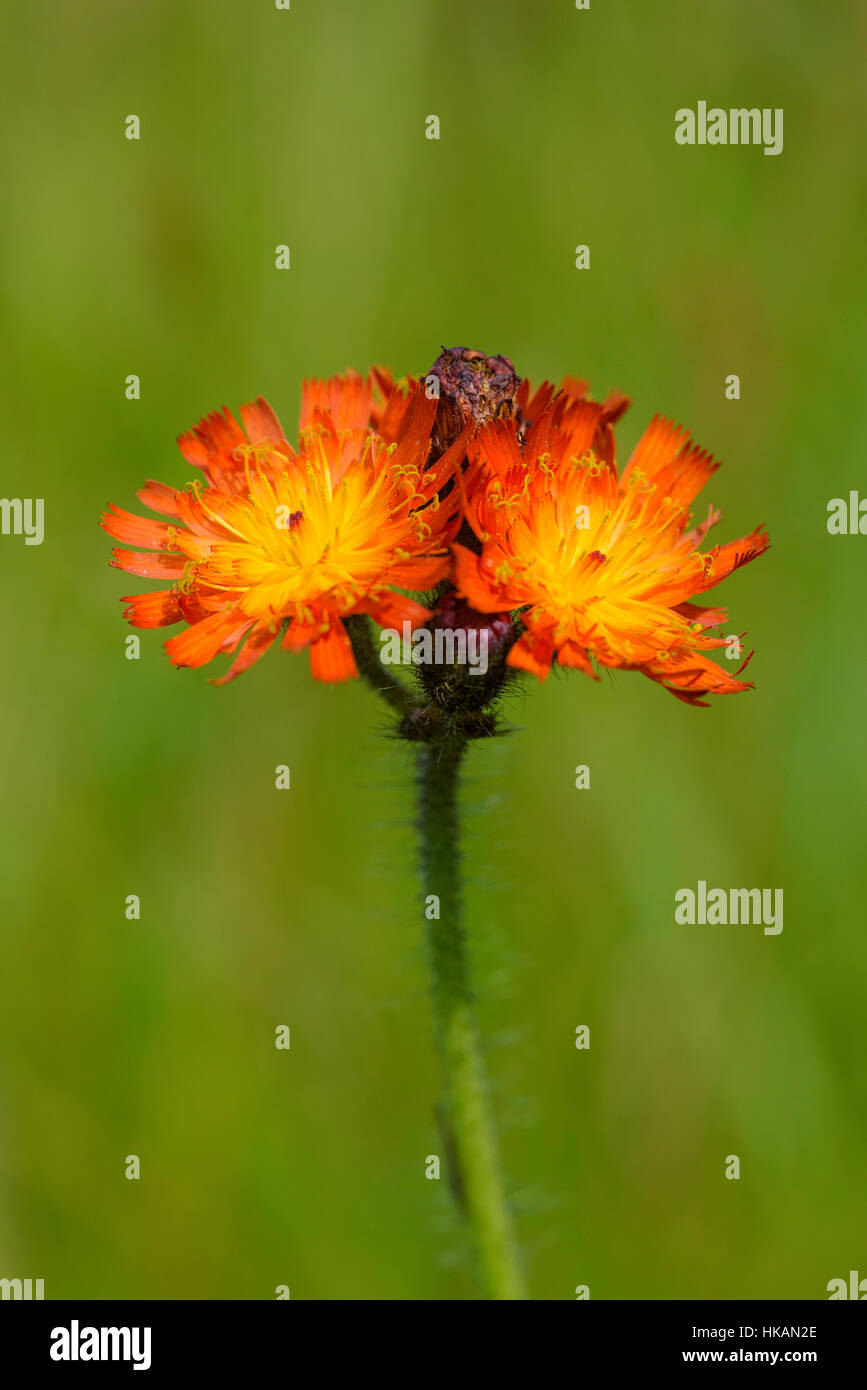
{"x":148,"y":564}
{"x":331,"y":658}
{"x":420,"y":574}
{"x":533,"y":654}
{"x":413,"y":443}
{"x":158,"y":609}
{"x":707,"y":617}
{"x":201,"y":643}
{"x":723,"y":560}
{"x":261,"y":423}
{"x":569,"y":653}
{"x":299,"y":635}
{"x":657,"y":447}
{"x":159,"y":497}
{"x":255,"y":647}
{"x":136,"y":530}
{"x":392,"y":609}
{"x":497,"y":443}
{"x":475,"y":583}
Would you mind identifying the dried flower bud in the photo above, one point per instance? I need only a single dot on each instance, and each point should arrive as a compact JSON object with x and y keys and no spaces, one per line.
{"x":474,"y":388}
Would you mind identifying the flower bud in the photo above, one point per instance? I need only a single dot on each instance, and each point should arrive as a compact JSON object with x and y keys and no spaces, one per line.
{"x":468,"y":650}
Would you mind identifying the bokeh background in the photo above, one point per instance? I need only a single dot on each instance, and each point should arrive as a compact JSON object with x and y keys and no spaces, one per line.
{"x":156,"y":1037}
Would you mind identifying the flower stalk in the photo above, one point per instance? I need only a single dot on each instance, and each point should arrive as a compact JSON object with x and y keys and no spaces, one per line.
{"x":371,"y":669}
{"x":467,"y":1112}
{"x":451,"y":710}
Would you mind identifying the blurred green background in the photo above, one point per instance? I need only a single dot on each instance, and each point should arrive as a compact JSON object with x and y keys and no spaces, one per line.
{"x":156,"y":1037}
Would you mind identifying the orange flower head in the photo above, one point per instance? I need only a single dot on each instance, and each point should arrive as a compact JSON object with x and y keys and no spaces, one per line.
{"x":296,"y":539}
{"x":602,"y":566}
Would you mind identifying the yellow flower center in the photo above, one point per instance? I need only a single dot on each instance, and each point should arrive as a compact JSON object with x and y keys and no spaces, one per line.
{"x":300,"y":537}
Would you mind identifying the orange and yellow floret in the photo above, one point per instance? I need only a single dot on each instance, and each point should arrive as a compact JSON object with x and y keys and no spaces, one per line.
{"x":294,"y":540}
{"x":602,"y":566}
